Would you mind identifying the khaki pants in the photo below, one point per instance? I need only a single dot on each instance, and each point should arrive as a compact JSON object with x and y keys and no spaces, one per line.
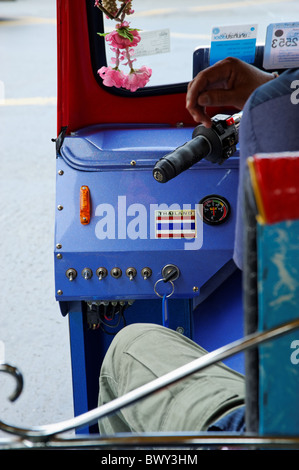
{"x":142,"y":352}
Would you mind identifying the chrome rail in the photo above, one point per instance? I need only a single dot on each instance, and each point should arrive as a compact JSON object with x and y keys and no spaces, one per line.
{"x":19,"y":379}
{"x":47,"y":435}
{"x":156,"y":441}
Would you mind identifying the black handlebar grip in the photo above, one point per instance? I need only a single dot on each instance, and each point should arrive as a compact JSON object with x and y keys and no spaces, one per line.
{"x":181,"y":159}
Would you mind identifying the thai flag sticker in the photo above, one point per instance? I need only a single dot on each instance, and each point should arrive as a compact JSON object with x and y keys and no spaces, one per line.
{"x":175,"y":224}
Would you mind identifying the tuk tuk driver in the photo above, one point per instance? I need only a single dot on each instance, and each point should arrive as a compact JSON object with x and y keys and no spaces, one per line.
{"x":212,"y":399}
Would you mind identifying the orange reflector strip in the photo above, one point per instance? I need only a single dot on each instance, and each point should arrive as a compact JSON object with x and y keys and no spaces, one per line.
{"x":84,"y":205}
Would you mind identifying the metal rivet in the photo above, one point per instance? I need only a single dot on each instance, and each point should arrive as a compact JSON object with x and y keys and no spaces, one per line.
{"x":195,"y":289}
{"x":59,"y":256}
{"x":59,"y":292}
{"x":60,"y":172}
{"x":132,"y":163}
{"x":58,"y":246}
{"x":60,"y":207}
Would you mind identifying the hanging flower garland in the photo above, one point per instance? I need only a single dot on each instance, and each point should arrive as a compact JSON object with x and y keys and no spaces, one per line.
{"x":122,"y":40}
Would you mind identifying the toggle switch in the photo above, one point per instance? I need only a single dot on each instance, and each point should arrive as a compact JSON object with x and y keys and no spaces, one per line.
{"x":146,"y":273}
{"x":116,"y":272}
{"x":101,"y":273}
{"x":71,"y":274}
{"x":87,"y":273}
{"x":131,"y":273}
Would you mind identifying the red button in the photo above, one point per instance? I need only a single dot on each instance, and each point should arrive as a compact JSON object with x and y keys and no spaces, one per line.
{"x":230,"y":121}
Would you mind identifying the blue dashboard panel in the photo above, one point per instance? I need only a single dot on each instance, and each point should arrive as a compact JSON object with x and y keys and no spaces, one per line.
{"x":116,"y":164}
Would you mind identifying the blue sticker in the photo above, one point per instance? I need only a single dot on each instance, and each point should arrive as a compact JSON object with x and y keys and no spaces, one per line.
{"x":233,"y":41}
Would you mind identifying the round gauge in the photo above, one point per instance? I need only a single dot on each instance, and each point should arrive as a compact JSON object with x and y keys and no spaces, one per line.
{"x":214,"y":210}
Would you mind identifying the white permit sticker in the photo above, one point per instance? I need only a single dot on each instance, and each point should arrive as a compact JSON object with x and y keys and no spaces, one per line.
{"x":153,"y":42}
{"x":282,"y":46}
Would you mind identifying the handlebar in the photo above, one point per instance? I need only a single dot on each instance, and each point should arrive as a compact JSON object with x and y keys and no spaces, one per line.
{"x":215,"y":144}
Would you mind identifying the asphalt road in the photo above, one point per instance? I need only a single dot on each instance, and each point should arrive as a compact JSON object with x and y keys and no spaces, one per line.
{"x":32,"y":331}
{"x":33,"y":334}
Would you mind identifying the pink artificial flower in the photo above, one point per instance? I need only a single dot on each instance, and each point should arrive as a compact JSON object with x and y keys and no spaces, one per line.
{"x":124,"y":24}
{"x":120,"y":42}
{"x":137,"y":78}
{"x":112,"y":77}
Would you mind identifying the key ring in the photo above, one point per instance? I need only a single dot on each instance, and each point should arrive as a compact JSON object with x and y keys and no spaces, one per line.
{"x":159,"y":295}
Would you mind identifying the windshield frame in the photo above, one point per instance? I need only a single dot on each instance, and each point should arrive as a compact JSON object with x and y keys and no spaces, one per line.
{"x":99,"y":58}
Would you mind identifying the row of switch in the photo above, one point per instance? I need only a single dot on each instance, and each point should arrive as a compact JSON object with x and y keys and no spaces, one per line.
{"x":102,"y":272}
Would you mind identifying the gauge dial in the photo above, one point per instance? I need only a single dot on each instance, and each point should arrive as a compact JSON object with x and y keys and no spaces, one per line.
{"x":214,"y":210}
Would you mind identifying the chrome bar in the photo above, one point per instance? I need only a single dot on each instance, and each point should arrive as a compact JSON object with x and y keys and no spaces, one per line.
{"x":190,"y":441}
{"x":17,"y":375}
{"x":43,"y":433}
